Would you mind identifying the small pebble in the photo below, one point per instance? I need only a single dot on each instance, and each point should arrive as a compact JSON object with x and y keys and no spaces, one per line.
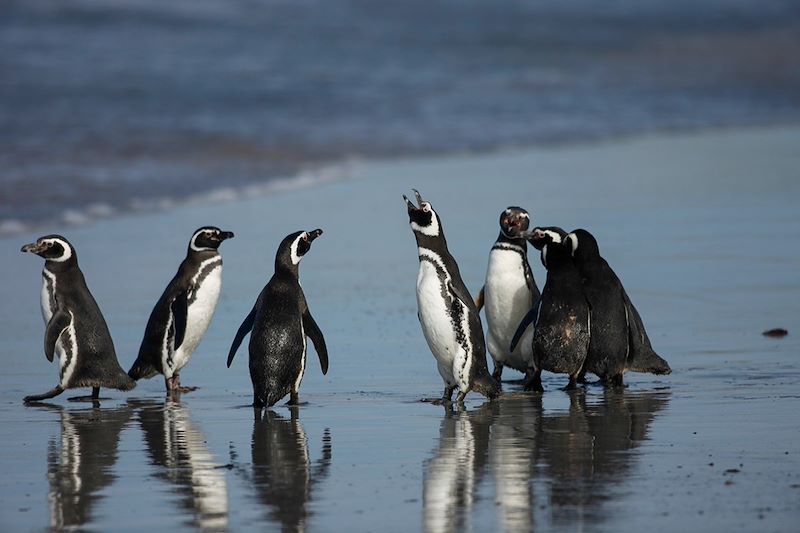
{"x":775,"y":332}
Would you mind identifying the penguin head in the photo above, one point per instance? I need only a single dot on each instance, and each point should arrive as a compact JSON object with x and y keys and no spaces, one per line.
{"x":539,"y":237}
{"x":423,"y":218}
{"x":583,"y":245}
{"x":295,"y":246}
{"x":552,"y":243}
{"x":513,"y":221}
{"x":53,"y":248}
{"x":208,"y":238}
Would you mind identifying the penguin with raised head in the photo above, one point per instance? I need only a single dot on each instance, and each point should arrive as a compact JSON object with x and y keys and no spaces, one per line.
{"x":562,"y":322}
{"x":280,"y":322}
{"x":447,"y":313}
{"x":618,"y":340}
{"x":75,"y":331}
{"x":181,"y":316}
{"x":508,"y":294}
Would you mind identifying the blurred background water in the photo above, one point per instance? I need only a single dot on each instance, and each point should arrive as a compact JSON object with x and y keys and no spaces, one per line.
{"x":110,"y":106}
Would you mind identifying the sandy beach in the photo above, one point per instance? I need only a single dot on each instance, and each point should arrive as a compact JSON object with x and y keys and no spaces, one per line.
{"x":702,"y":228}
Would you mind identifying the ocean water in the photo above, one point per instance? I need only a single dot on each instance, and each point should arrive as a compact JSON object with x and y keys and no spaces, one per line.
{"x":137,"y":104}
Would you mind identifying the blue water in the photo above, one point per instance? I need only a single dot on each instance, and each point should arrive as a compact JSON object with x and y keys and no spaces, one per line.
{"x":109,"y":106}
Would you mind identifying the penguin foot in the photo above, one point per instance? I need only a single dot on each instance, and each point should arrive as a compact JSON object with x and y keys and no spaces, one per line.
{"x":55,"y":391}
{"x":294,"y":399}
{"x":498,"y":372}
{"x":460,"y":397}
{"x":184,"y":389}
{"x":532,"y":381}
{"x":87,"y":398}
{"x":437,"y":401}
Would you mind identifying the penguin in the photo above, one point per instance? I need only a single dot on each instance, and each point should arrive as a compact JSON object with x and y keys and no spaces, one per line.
{"x":562,"y":321}
{"x":618,"y":341}
{"x":75,"y":328}
{"x":181,"y":316}
{"x":509,"y":292}
{"x":280,"y":322}
{"x":446,"y":311}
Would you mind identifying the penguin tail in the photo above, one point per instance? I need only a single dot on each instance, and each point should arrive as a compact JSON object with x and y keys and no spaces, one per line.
{"x":649,"y":362}
{"x":141,"y":370}
{"x":124,"y":382}
{"x":487,"y":385}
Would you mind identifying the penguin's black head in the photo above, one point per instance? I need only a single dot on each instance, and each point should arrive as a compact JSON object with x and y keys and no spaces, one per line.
{"x":208,"y":238}
{"x":423,"y":219}
{"x":583,"y":245}
{"x":296,"y":245}
{"x":52,"y":248}
{"x":514,"y":221}
{"x":539,"y":237}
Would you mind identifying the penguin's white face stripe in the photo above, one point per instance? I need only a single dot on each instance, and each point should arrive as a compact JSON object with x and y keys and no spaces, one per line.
{"x":193,"y":245}
{"x":67,"y":250}
{"x":553,"y":235}
{"x":544,"y":255}
{"x":296,"y":258}
{"x":432,"y":229}
{"x":573,"y":241}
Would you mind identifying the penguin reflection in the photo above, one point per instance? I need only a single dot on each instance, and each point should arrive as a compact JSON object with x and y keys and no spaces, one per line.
{"x":584,"y":450}
{"x":282,"y":473}
{"x":80,"y":464}
{"x":451,"y":476}
{"x":579,"y":455}
{"x":178,"y":447}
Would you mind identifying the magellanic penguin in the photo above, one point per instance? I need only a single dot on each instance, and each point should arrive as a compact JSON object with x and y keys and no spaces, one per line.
{"x":181,"y":316}
{"x":562,"y":321}
{"x":508,"y":294}
{"x":75,"y":328}
{"x":446,"y":311}
{"x":280,"y":322}
{"x":618,"y":339}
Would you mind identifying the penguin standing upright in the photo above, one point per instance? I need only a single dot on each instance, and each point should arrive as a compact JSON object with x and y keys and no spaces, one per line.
{"x":181,"y":316}
{"x":508,"y":294}
{"x":563,"y":318}
{"x":280,"y":322}
{"x":618,"y":340}
{"x":447,"y":313}
{"x":75,"y":328}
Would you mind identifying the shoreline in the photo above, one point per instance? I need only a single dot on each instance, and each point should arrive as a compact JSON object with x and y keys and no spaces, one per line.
{"x":343,"y":169}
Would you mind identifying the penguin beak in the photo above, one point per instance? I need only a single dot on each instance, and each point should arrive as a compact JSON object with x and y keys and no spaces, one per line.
{"x":32,"y":248}
{"x":223,"y":235}
{"x":313,"y":234}
{"x":410,"y":205}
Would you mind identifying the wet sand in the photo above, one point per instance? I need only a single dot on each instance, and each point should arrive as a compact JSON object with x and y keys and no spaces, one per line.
{"x":701,"y":228}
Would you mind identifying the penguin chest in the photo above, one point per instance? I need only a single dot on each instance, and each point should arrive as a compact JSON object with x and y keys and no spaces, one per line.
{"x":48,"y":295}
{"x":202,"y":301}
{"x":435,"y":315}
{"x":506,"y":299}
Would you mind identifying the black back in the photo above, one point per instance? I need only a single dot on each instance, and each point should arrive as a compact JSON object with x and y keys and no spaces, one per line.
{"x":609,"y":342}
{"x":561,"y":335}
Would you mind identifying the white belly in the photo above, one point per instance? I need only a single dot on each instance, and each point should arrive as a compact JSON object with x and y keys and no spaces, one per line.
{"x":47,"y":298}
{"x":198,"y":317}
{"x":302,"y":359}
{"x":434,"y":319}
{"x":506,"y":300}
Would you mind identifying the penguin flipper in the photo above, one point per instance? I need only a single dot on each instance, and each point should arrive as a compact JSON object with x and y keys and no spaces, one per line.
{"x":527,"y":320}
{"x":58,"y":323}
{"x":313,"y":332}
{"x":244,"y":329}
{"x":479,"y":299}
{"x":180,"y":310}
